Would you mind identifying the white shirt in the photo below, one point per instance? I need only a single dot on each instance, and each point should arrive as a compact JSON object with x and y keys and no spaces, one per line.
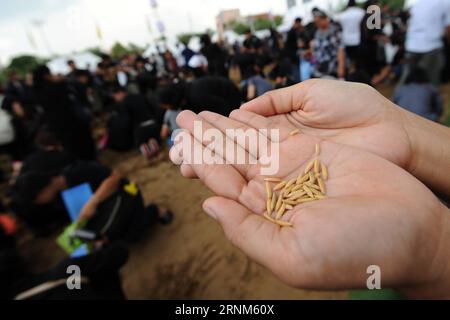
{"x":427,"y":24}
{"x":198,"y":61}
{"x":350,"y":21}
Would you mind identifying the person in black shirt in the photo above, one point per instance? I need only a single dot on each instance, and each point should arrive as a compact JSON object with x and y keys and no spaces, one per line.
{"x":116,"y":210}
{"x":99,"y":271}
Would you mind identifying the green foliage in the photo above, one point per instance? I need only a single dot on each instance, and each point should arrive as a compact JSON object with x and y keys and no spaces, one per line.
{"x":95,"y":50}
{"x":135,"y":48}
{"x":23,"y":64}
{"x":238,"y":27}
{"x":118,"y":50}
{"x":394,"y":4}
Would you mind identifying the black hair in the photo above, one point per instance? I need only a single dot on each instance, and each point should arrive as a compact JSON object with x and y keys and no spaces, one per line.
{"x":119,"y":88}
{"x":40,"y":75}
{"x":417,"y":75}
{"x":172,"y":94}
{"x":351,"y":3}
{"x":69,"y":62}
{"x":298,"y":20}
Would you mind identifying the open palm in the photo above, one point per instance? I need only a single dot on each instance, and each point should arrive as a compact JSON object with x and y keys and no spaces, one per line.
{"x":375,"y":214}
{"x":347,"y":113}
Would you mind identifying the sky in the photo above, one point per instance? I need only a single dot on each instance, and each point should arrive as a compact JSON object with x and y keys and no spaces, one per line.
{"x":70,"y":25}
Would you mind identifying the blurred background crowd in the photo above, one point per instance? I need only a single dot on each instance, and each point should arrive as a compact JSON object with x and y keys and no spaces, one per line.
{"x":55,"y":125}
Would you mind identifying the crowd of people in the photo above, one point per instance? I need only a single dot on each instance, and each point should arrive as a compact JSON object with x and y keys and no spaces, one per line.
{"x":48,"y":120}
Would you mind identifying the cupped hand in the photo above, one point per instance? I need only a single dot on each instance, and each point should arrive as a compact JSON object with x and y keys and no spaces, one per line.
{"x":348,"y":113}
{"x":375,"y":214}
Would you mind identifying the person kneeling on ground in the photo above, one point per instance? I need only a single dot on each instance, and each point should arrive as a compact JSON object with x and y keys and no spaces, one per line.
{"x":116,"y":211}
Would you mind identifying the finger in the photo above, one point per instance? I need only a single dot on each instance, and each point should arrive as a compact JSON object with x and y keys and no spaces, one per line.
{"x":187,"y":171}
{"x":249,"y":232}
{"x":233,"y":130}
{"x":213,"y":171}
{"x":259,"y":122}
{"x":280,"y":101}
{"x":212,"y":138}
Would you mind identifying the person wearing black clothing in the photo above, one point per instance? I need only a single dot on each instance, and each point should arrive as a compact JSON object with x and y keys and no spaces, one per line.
{"x":134,"y":123}
{"x":292,"y":41}
{"x":116,"y":210}
{"x":100,"y":279}
{"x":215,"y":55}
{"x":63,"y":114}
{"x":209,"y":93}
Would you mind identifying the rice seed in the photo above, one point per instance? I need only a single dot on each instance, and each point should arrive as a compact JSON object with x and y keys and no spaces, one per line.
{"x":311,"y":185}
{"x":290,"y":202}
{"x":269,"y":207}
{"x":273,"y":202}
{"x":324,"y":172}
{"x":284,"y":223}
{"x":290,"y":183}
{"x":281,"y":212}
{"x":308,"y":191}
{"x":317,"y":149}
{"x":312,"y":177}
{"x":269,"y":191}
{"x":309,"y":166}
{"x":302,"y":178}
{"x":299,"y":201}
{"x":296,"y":188}
{"x":294,"y":132}
{"x":320,"y":197}
{"x":316,"y":166}
{"x":288,"y":206}
{"x":296,"y":195}
{"x":276,"y":180}
{"x":280,"y":186}
{"x":316,"y":192}
{"x":269,"y":218}
{"x":321,"y":185}
{"x":279,"y":202}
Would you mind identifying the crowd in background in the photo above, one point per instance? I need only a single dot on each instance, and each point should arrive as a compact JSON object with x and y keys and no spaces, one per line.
{"x":48,"y":120}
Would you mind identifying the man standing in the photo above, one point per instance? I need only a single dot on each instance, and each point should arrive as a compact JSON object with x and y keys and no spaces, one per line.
{"x":350,"y":20}
{"x":429,"y":23}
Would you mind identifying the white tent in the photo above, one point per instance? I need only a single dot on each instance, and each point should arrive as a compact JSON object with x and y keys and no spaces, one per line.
{"x":83,"y":60}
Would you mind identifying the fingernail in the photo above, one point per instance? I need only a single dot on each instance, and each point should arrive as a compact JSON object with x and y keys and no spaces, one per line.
{"x":210,"y":211}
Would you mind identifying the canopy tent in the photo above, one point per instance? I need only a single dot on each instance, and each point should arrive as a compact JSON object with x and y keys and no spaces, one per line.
{"x":83,"y":60}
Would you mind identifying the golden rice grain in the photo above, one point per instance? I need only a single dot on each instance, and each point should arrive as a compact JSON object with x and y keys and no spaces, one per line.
{"x":269,"y":218}
{"x":321,"y":185}
{"x":317,"y":149}
{"x":290,"y":183}
{"x":312,"y":177}
{"x":302,"y":178}
{"x":281,"y":211}
{"x":290,"y":202}
{"x":296,"y":187}
{"x":308,"y":191}
{"x":316,"y":166}
{"x":269,"y":191}
{"x":309,"y":166}
{"x":299,"y":201}
{"x":311,"y":185}
{"x":269,"y":207}
{"x":294,"y":132}
{"x":279,"y":202}
{"x":273,"y":202}
{"x":324,"y":172}
{"x":320,"y":197}
{"x":280,"y":186}
{"x":288,"y":206}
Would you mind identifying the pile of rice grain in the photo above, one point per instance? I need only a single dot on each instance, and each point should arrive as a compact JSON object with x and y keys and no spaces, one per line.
{"x":286,"y":194}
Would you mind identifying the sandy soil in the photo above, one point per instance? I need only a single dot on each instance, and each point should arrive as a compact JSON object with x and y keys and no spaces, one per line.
{"x":189,"y":259}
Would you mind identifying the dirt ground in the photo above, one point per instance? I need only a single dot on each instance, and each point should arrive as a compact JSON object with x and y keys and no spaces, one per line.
{"x":189,"y":259}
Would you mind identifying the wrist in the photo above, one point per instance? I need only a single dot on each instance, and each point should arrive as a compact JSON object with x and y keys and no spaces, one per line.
{"x":437,"y":285}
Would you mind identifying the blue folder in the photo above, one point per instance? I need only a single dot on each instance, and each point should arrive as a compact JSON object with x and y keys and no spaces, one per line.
{"x":75,"y":198}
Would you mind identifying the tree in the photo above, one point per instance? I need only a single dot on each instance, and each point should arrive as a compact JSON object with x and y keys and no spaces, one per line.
{"x":24,"y":64}
{"x":118,"y":50}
